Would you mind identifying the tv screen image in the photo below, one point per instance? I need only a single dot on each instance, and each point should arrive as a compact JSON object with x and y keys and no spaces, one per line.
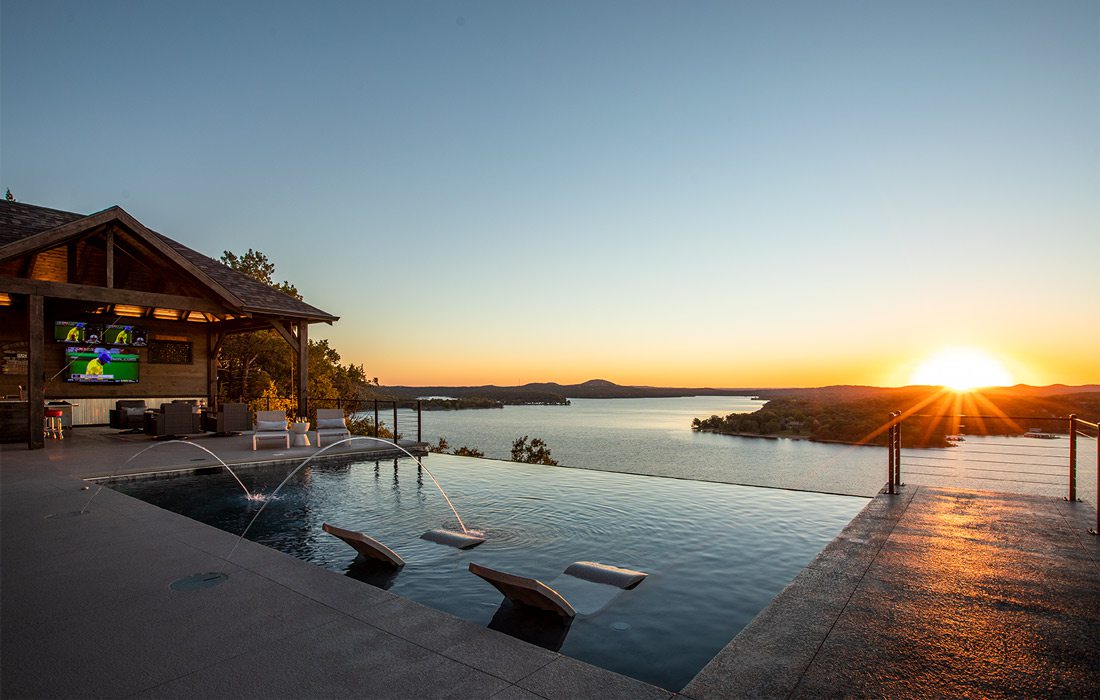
{"x":124,"y":335}
{"x":100,"y":365}
{"x":77,"y":332}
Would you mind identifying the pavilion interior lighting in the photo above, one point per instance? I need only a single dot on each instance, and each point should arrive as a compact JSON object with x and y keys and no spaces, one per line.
{"x":128,"y":310}
{"x":166,"y":314}
{"x":197,"y":316}
{"x":5,"y":299}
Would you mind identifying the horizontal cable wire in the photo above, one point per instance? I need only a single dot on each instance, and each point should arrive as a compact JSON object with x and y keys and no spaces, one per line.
{"x":983,"y":461}
{"x":1010,"y":452}
{"x":987,"y":478}
{"x":996,"y":471}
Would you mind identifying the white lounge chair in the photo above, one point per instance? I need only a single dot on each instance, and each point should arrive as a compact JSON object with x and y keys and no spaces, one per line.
{"x":330,"y":424}
{"x":270,"y":424}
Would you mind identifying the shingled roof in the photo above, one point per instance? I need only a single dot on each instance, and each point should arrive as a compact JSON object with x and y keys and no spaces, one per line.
{"x":21,"y":224}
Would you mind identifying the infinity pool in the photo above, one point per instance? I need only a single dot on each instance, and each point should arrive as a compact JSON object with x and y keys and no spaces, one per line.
{"x":716,"y":554}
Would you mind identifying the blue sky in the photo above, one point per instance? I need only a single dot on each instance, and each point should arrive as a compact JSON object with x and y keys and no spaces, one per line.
{"x":733,"y":193}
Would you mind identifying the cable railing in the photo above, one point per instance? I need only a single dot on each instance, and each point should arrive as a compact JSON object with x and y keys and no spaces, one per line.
{"x":1049,"y":462}
{"x":358,"y":408}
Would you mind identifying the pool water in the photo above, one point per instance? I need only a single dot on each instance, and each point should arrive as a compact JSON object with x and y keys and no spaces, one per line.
{"x":716,"y":554}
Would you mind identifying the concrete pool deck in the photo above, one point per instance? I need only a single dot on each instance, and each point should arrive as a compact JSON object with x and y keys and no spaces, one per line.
{"x":931,"y":592}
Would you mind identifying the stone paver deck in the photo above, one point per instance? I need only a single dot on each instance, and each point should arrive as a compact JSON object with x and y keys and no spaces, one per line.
{"x":932,"y":592}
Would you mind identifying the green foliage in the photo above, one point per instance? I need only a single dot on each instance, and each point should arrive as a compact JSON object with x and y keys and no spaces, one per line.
{"x":256,"y":366}
{"x":457,"y":404}
{"x":464,"y":451}
{"x":534,"y":452}
{"x":9,"y":196}
{"x":360,"y":424}
{"x":256,"y":265}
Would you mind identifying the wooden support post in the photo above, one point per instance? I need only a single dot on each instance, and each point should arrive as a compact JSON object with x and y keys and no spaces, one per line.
{"x":303,"y":369}
{"x":213,"y":349}
{"x":36,"y":390}
{"x":110,"y":259}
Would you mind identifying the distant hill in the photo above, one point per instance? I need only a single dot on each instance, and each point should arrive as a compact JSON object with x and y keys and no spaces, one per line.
{"x":552,"y":392}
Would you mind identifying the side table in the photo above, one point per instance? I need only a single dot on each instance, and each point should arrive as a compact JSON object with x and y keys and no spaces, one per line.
{"x":300,"y":434}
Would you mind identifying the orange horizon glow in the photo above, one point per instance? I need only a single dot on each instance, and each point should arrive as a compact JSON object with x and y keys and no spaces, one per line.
{"x":715,"y":359}
{"x":761,"y":376}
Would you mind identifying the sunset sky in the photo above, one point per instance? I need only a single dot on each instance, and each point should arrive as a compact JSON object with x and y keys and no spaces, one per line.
{"x":667,"y":193}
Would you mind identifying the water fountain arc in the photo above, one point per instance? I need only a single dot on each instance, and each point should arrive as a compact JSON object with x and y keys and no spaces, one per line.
{"x":248,"y":494}
{"x":463,"y":540}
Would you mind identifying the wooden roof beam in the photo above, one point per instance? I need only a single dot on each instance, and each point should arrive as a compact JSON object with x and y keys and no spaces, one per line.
{"x":81,"y":292}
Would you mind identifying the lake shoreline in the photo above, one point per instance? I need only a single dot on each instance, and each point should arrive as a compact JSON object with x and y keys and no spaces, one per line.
{"x":799,"y":438}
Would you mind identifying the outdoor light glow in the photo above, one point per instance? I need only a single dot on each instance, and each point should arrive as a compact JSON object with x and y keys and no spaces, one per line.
{"x":961,"y":369}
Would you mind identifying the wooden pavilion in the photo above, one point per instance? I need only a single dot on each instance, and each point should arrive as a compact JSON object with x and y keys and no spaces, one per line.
{"x":107,"y":270}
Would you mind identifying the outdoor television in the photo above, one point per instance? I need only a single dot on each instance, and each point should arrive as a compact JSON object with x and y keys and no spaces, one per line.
{"x":123,"y":335}
{"x":100,"y":365}
{"x":77,"y":332}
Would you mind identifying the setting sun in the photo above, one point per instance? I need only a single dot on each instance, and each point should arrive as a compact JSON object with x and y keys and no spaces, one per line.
{"x":961,"y":369}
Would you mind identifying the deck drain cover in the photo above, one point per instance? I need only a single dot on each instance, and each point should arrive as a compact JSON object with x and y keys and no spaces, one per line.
{"x":197,"y":581}
{"x":67,"y":514}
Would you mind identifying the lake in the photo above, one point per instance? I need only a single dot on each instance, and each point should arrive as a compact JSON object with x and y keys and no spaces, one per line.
{"x":654,"y":437}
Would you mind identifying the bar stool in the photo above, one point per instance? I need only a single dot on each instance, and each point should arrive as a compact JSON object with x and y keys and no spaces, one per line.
{"x":51,"y":425}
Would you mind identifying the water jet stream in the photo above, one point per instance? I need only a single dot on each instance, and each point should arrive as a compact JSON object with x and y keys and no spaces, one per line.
{"x":267,"y":499}
{"x":248,"y":494}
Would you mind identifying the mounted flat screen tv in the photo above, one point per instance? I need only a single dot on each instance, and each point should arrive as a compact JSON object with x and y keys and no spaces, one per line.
{"x":124,"y":335}
{"x":100,"y":365}
{"x":77,"y":332}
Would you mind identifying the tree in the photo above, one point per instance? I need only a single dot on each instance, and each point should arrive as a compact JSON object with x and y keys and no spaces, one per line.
{"x":465,"y":451}
{"x":534,"y":452}
{"x":256,"y":265}
{"x":258,"y":367}
{"x":9,"y":196}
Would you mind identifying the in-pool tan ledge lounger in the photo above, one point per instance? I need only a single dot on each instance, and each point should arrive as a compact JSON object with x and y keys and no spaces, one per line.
{"x":526,"y":591}
{"x":366,"y":546}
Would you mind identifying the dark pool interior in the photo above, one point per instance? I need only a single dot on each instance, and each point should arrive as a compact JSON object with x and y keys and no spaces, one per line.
{"x":716,"y":554}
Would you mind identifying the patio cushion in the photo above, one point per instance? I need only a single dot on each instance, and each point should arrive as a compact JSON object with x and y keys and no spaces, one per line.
{"x":270,"y":425}
{"x":330,"y":423}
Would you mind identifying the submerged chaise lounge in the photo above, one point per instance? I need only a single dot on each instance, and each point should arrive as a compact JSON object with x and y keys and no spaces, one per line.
{"x":366,"y":546}
{"x":525,"y":591}
{"x":536,"y":594}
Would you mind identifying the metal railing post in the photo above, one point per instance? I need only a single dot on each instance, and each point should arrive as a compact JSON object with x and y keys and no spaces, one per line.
{"x":376,"y":418}
{"x":897,"y":449}
{"x":395,"y":421}
{"x":1073,"y":457}
{"x":890,"y":456}
{"x":419,"y":420}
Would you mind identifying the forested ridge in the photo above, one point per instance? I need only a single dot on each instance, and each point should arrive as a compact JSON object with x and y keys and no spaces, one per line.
{"x":832,"y":414}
